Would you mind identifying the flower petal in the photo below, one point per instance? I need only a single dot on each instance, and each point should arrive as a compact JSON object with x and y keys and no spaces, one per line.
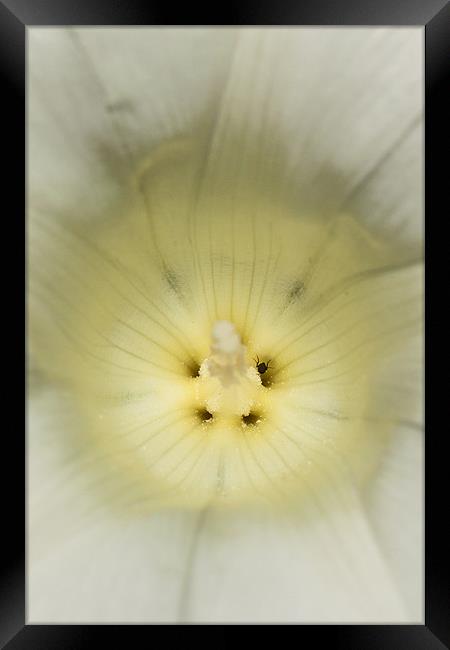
{"x":321,"y":563}
{"x":85,"y":564}
{"x":395,"y":503}
{"x":101,"y":98}
{"x":345,"y":107}
{"x":324,"y":566}
{"x":390,"y":197}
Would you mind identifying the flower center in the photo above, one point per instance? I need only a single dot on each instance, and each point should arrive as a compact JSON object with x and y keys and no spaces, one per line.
{"x":222,"y":347}
{"x":227,"y":384}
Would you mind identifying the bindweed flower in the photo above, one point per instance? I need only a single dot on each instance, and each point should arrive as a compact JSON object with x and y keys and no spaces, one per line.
{"x":225,"y":288}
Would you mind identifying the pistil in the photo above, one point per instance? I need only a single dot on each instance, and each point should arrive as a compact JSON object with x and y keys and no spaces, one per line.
{"x":228,"y":384}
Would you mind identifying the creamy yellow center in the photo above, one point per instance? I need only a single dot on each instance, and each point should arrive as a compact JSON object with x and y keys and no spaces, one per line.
{"x":156,"y":322}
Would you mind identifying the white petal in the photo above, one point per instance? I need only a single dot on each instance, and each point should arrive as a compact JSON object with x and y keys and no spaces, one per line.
{"x":99,"y":99}
{"x":157,"y":80}
{"x":324,"y":567}
{"x":86,"y":564}
{"x":115,"y":571}
{"x":390,"y":198}
{"x":342,"y":108}
{"x":395,"y":504}
{"x":342,"y":103}
{"x":329,"y":562}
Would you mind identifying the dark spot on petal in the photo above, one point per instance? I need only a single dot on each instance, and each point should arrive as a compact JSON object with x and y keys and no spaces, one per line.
{"x":204,"y":415}
{"x":173,"y":281}
{"x":193,"y":369}
{"x":251,"y":419}
{"x":119,"y":106}
{"x":295,"y":292}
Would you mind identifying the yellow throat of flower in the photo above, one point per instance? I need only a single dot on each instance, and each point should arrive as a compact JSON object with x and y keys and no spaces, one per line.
{"x":215,"y":343}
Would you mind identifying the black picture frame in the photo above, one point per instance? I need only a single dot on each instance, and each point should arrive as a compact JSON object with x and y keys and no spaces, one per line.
{"x":434,"y":16}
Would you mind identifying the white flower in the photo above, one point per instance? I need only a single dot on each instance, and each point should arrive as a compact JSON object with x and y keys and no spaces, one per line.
{"x":202,"y":201}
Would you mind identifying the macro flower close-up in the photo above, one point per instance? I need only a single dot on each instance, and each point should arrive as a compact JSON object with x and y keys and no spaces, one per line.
{"x":225,"y":325}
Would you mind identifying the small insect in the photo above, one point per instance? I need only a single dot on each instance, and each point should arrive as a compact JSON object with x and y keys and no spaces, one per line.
{"x":261,"y":367}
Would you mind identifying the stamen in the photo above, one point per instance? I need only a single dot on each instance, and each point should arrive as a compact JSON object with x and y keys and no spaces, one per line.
{"x":228,"y":384}
{"x":227,"y":360}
